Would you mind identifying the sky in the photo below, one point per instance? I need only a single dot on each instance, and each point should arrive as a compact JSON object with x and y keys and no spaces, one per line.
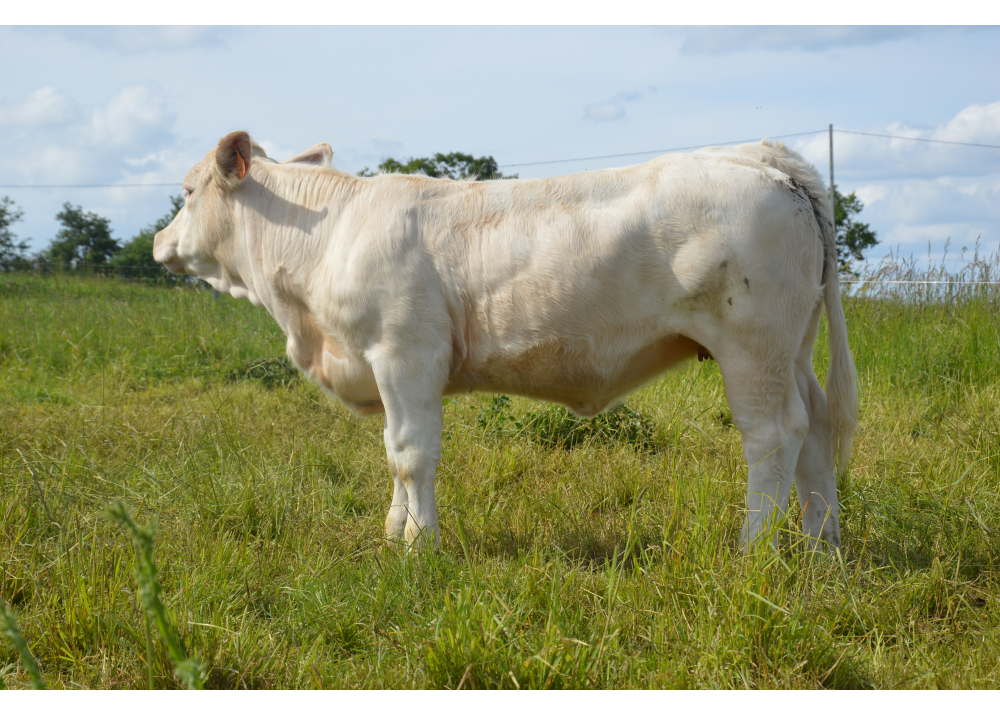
{"x":126,"y":105}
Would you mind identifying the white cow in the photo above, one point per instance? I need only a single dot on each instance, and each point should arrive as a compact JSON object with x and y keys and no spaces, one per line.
{"x":395,"y":290}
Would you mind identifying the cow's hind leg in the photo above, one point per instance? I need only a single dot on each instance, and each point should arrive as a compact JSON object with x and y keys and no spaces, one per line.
{"x":815,"y":476}
{"x":772,"y":418}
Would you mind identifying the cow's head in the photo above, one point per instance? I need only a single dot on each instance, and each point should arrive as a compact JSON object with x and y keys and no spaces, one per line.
{"x":202,"y":240}
{"x":199,"y":240}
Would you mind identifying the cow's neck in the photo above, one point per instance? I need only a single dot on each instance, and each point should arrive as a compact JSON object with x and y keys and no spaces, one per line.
{"x":282,"y":221}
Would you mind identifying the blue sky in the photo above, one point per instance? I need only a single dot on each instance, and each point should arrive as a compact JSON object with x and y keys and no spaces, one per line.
{"x":142,"y":105}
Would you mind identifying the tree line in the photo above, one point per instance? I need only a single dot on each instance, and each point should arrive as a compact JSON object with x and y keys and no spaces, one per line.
{"x":85,"y":239}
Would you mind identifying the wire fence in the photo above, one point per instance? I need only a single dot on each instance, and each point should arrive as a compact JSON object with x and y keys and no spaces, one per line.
{"x":910,"y":279}
{"x":154,"y":273}
{"x":895,"y":277}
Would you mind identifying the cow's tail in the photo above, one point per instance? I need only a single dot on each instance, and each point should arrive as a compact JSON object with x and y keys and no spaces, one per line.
{"x":841,"y":380}
{"x":841,"y":377}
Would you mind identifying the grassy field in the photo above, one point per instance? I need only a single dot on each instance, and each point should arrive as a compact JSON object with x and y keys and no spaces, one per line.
{"x":572,"y":555}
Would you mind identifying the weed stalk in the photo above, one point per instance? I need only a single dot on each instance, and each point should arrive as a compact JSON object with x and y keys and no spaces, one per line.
{"x":9,"y":622}
{"x":190,"y":671}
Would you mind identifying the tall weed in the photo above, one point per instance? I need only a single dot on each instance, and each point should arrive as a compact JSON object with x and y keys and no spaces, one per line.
{"x":189,"y":671}
{"x":8,"y":620}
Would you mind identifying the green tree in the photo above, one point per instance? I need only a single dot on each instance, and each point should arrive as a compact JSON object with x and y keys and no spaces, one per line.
{"x":136,"y":257}
{"x":853,"y":237}
{"x":12,"y":251}
{"x":85,"y":239}
{"x":455,"y":165}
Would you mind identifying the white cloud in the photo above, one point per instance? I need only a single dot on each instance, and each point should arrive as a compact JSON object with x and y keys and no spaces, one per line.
{"x":918,"y":216}
{"x":858,"y":155}
{"x":135,"y":116}
{"x":870,"y":194}
{"x":930,"y":201}
{"x":59,"y":141}
{"x":45,"y":106}
{"x":977,"y":123}
{"x":924,"y":239}
{"x":924,"y":193}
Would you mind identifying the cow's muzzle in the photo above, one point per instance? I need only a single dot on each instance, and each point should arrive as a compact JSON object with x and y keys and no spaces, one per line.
{"x":164,"y":252}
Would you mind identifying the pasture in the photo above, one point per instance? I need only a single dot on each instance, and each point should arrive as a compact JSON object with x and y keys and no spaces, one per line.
{"x":573,"y":555}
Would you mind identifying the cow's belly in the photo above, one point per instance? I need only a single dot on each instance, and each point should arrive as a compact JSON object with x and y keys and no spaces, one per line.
{"x":585,"y":382}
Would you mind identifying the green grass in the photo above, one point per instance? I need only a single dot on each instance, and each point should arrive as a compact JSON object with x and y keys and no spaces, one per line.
{"x":572,"y":555}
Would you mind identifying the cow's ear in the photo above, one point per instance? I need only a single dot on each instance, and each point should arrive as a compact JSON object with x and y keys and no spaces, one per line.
{"x":321,"y":154}
{"x":232,"y":158}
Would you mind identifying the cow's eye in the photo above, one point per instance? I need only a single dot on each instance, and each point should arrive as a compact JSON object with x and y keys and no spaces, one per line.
{"x":187,"y":192}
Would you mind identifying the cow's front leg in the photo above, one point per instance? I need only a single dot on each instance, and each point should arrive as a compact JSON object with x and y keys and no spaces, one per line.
{"x":413,"y":422}
{"x":395,"y":523}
